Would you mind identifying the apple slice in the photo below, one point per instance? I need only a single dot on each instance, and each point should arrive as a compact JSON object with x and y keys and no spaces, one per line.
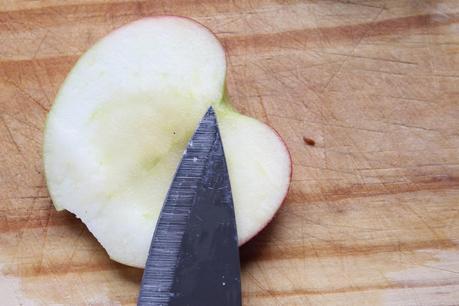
{"x":122,"y":119}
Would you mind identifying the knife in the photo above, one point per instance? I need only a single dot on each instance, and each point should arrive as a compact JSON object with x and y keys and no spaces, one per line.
{"x":194,"y":256}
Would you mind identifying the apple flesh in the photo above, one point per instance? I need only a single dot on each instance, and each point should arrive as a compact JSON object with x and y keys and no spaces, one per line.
{"x":120,"y":124}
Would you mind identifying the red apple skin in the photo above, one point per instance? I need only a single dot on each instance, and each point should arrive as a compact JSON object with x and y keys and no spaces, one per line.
{"x":226,"y":62}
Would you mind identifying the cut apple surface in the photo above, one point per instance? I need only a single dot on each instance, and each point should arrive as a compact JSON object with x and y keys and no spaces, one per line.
{"x":121,"y":122}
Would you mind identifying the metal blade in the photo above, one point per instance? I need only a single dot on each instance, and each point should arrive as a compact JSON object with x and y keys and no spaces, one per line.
{"x":194,"y":256}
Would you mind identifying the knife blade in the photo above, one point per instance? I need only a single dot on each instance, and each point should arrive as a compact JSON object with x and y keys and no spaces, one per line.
{"x":194,"y":256}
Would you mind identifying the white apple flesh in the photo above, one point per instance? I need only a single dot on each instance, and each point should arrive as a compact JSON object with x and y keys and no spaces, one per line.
{"x":120,"y":124}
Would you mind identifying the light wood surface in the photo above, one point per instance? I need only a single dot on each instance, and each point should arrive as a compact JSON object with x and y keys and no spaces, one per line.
{"x":372,"y":216}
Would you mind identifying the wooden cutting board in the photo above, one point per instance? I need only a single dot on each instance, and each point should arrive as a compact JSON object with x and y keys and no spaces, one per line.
{"x":366,"y":96}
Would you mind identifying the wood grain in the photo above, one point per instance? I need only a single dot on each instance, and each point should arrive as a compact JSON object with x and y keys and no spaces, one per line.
{"x":372,"y":216}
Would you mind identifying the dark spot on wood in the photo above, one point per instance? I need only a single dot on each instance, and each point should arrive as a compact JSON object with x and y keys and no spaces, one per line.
{"x":309,"y":141}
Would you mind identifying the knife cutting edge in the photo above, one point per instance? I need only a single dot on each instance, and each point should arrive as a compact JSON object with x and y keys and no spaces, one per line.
{"x":194,"y":255}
